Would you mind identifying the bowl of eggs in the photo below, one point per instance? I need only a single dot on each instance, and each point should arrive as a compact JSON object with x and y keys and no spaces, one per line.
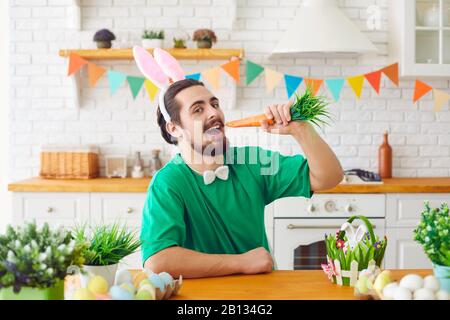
{"x":141,"y":285}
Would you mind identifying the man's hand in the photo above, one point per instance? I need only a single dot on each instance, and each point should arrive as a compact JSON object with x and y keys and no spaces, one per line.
{"x":281,"y":115}
{"x":255,"y":261}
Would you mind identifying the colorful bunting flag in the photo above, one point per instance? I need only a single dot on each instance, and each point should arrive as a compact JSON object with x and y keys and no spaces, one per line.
{"x":335,"y":86}
{"x":272,"y":78}
{"x":420,"y":89}
{"x":195,"y":76}
{"x":292,"y":83}
{"x":253,"y":71}
{"x":213,"y":77}
{"x":95,"y":73}
{"x":75,"y":63}
{"x":314,"y":84}
{"x":115,"y":79}
{"x":374,"y":78}
{"x":357,"y":84}
{"x":232,"y":68}
{"x":151,"y":89}
{"x":440,"y":98}
{"x":392,"y":73}
{"x":135,"y":85}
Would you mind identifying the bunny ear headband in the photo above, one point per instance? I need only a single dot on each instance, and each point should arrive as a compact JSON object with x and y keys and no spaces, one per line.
{"x":162,"y":69}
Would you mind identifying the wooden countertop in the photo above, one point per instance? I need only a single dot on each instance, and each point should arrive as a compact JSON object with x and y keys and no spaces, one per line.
{"x":278,"y":285}
{"x":395,"y":185}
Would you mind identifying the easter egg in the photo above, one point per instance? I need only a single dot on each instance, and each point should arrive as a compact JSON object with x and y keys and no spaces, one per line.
{"x":412,"y":282}
{"x":424,"y":294}
{"x":442,"y":295}
{"x":431,"y":282}
{"x":402,"y":293}
{"x":144,"y":294}
{"x":138,"y":277}
{"x":118,"y":293}
{"x":98,"y":284}
{"x":129,"y":287}
{"x":102,"y":296}
{"x":123,"y":276}
{"x":157,"y":282}
{"x":144,"y":282}
{"x":83,"y":294}
{"x":167,"y":278}
{"x":389,"y":290}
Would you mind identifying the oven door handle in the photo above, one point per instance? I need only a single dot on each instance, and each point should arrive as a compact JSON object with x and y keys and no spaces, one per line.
{"x":294,"y":226}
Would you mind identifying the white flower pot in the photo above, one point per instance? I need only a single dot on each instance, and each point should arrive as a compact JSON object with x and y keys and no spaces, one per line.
{"x":152,"y":43}
{"x":107,"y":272}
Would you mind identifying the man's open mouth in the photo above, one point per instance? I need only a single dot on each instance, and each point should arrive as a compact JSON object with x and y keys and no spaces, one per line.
{"x":216,"y":130}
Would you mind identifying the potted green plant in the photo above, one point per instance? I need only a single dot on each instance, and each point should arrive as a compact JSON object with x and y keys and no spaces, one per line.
{"x":34,"y":262}
{"x":179,"y":39}
{"x":152,"y":39}
{"x":104,"y":246}
{"x":104,"y":39}
{"x":204,"y":38}
{"x":433,"y":233}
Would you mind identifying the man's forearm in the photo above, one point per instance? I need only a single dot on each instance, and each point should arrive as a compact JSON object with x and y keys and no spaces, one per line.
{"x":192,"y":264}
{"x":325,"y":170}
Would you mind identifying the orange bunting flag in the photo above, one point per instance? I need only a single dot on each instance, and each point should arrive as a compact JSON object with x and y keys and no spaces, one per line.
{"x":357,"y":84}
{"x":374,"y":78}
{"x":232,"y":68}
{"x":75,"y":63}
{"x":95,"y":73}
{"x":420,"y":89}
{"x":314,"y":84}
{"x":440,"y":98}
{"x":391,"y":72}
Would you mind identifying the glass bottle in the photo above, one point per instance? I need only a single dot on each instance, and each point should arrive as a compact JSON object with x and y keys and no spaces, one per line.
{"x":138,"y":168}
{"x":155,"y":162}
{"x":385,"y":158}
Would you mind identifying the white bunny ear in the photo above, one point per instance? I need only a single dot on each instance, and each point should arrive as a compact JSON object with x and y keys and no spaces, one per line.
{"x":150,"y":68}
{"x":169,"y":64}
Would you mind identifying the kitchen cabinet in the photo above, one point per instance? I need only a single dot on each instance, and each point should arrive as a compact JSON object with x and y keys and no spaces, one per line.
{"x":419,"y":37}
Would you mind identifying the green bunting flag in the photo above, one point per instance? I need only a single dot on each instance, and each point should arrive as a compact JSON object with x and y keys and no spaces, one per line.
{"x":135,"y":85}
{"x":253,"y":71}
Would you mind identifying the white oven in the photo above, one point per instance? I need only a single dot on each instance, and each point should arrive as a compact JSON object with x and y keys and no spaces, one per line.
{"x":300,"y":225}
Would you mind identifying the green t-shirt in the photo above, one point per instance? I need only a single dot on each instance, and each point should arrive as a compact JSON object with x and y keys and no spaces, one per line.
{"x":227,"y":216}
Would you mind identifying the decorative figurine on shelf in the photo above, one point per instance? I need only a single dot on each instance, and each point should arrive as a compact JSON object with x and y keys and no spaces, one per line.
{"x":155,"y":162}
{"x":116,"y":166}
{"x":138,"y":169}
{"x":104,"y":39}
{"x":204,"y":38}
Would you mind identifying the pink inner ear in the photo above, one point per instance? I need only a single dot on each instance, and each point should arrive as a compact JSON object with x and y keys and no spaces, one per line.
{"x":149,"y":67}
{"x":169,"y":64}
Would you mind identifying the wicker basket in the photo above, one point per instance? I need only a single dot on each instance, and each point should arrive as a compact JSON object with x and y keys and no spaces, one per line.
{"x":69,"y":162}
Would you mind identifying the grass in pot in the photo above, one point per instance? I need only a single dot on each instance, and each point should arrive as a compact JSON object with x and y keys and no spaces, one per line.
{"x":104,"y":39}
{"x":104,"y":246}
{"x":433,"y":233}
{"x":204,"y":38}
{"x":34,"y":261}
{"x":152,"y":39}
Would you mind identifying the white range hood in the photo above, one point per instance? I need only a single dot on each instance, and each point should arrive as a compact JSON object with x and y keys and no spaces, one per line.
{"x":321,"y":28}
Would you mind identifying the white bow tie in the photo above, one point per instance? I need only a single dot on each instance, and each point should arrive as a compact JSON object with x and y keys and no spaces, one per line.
{"x":221,"y":172}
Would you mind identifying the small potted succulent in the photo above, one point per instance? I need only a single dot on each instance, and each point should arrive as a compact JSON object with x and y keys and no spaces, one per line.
{"x":179,"y":40}
{"x":433,"y":233}
{"x":104,"y":246}
{"x":104,"y":39}
{"x":204,"y":38}
{"x":34,"y":262}
{"x":152,"y":39}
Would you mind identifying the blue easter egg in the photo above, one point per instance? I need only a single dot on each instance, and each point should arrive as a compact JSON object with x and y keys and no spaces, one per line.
{"x":166,"y":277}
{"x":118,"y":293}
{"x":157,"y":282}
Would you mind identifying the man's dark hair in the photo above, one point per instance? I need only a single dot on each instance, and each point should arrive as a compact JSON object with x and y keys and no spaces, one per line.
{"x":172,"y":106}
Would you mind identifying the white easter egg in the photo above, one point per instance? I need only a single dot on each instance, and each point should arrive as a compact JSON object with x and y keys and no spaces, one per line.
{"x":412,"y":282}
{"x":423,"y":294}
{"x":389,"y":290}
{"x":123,"y":276}
{"x":402,"y":293}
{"x":442,"y":295}
{"x":431,"y":282}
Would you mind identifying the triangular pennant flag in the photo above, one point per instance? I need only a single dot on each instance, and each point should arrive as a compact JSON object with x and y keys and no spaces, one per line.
{"x":292,"y":83}
{"x":420,"y":89}
{"x":115,"y":79}
{"x":95,"y":73}
{"x":374,"y":78}
{"x":272,"y":79}
{"x":232,"y":68}
{"x":253,"y":71}
{"x":356,"y":83}
{"x":314,"y":84}
{"x":391,"y":72}
{"x":195,"y":76}
{"x":75,"y":63}
{"x":335,"y":86}
{"x":151,"y":89}
{"x":213,"y":77}
{"x":135,"y":85}
{"x":440,"y":98}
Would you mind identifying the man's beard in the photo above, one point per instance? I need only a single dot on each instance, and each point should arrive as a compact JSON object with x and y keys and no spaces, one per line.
{"x":211,"y":149}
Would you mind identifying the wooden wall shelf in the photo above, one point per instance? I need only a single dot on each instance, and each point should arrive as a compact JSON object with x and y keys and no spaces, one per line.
{"x":182,"y":54}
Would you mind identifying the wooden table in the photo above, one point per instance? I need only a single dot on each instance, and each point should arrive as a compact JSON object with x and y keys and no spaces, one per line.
{"x":278,"y":285}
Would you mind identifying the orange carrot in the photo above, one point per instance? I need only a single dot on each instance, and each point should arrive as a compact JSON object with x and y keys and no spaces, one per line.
{"x":253,"y":121}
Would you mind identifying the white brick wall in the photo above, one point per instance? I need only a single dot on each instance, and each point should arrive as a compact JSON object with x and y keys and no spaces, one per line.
{"x":42,"y":105}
